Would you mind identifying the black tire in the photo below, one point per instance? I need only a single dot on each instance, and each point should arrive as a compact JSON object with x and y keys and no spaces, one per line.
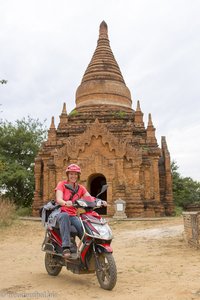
{"x":51,"y":265}
{"x":107,"y":273}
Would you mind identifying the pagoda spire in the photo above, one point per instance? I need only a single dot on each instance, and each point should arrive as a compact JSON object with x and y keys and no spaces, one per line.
{"x":102,"y":82}
{"x":151,"y":138}
{"x":168,"y":177}
{"x":52,"y":132}
{"x":150,"y":123}
{"x":63,"y":117}
{"x":103,"y":64}
{"x":52,"y":126}
{"x":103,"y":30}
{"x":64,"y":110}
{"x":139,"y":116}
{"x":138,"y":106}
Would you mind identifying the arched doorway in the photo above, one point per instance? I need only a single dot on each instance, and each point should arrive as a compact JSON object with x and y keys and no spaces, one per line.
{"x":95,"y":183}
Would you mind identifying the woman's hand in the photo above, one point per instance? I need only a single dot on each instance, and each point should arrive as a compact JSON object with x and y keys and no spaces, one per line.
{"x":68,"y":203}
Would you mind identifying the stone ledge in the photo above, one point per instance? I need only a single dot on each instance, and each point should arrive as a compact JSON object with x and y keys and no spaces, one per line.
{"x":190,"y":212}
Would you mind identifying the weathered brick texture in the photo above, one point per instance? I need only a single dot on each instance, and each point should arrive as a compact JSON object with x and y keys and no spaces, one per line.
{"x":191,"y":222}
{"x":110,"y":142}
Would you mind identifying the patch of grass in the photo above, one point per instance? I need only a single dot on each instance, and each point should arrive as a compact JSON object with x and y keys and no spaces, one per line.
{"x":73,"y":113}
{"x":120,"y":114}
{"x":7,"y":212}
{"x":178,"y":211}
{"x":146,"y":148}
{"x":24,"y":211}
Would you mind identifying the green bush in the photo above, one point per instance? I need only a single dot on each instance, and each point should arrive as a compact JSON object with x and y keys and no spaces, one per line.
{"x":178,"y":211}
{"x":186,"y":191}
{"x":19,"y":145}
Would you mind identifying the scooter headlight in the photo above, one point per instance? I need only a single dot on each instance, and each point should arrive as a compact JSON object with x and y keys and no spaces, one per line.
{"x":103,"y":230}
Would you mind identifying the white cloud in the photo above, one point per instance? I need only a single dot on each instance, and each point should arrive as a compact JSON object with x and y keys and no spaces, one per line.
{"x":48,"y":44}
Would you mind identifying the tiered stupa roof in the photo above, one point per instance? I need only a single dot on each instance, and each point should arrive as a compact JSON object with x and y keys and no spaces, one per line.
{"x":103,"y":83}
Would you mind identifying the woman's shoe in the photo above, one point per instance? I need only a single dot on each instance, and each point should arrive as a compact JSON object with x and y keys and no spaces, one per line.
{"x":66,"y":253}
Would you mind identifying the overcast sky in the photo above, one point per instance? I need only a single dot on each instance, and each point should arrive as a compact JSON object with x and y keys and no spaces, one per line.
{"x":46,"y":45}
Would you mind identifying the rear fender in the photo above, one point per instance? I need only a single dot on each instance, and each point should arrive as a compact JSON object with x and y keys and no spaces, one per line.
{"x":100,"y":248}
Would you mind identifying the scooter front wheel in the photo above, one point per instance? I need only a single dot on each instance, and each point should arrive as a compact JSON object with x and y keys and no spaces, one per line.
{"x":106,"y":270}
{"x":51,"y":265}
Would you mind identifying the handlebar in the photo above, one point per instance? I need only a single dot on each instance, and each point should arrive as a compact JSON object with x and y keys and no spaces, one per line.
{"x":83,"y":203}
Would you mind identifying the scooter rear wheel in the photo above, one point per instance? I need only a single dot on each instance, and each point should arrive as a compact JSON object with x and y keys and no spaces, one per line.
{"x":51,"y":265}
{"x":107,"y":271}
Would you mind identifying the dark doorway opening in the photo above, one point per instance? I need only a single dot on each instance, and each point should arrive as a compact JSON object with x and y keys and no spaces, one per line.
{"x":95,"y":187}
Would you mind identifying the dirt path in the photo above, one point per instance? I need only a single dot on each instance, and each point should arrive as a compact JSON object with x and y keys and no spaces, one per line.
{"x":153,"y":262}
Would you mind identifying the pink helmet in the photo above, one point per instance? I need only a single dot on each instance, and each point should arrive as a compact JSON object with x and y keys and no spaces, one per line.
{"x":73,"y":168}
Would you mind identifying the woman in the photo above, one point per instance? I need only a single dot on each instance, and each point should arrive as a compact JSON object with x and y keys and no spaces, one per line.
{"x":68,"y":213}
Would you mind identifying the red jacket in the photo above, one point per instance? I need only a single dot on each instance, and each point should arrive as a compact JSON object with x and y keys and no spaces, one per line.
{"x":67,"y":195}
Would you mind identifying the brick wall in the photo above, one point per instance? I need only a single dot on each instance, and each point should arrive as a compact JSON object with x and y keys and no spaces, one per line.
{"x":191,"y":222}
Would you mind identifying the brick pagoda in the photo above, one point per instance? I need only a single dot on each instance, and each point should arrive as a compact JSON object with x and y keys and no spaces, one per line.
{"x":110,"y":142}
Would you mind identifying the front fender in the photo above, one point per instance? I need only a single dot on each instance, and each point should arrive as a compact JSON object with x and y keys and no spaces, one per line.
{"x":100,"y":248}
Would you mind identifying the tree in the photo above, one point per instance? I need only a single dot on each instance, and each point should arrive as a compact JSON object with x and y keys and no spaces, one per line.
{"x":19,"y":145}
{"x":185,"y":189}
{"x":3,"y":81}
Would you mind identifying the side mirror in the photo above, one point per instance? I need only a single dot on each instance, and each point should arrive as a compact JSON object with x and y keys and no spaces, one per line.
{"x":103,"y":189}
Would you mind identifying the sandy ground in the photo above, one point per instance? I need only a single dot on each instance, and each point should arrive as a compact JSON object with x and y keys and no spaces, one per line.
{"x":152,"y":258}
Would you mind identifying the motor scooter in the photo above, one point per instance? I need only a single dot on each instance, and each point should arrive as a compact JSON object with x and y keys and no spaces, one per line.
{"x":92,"y":254}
